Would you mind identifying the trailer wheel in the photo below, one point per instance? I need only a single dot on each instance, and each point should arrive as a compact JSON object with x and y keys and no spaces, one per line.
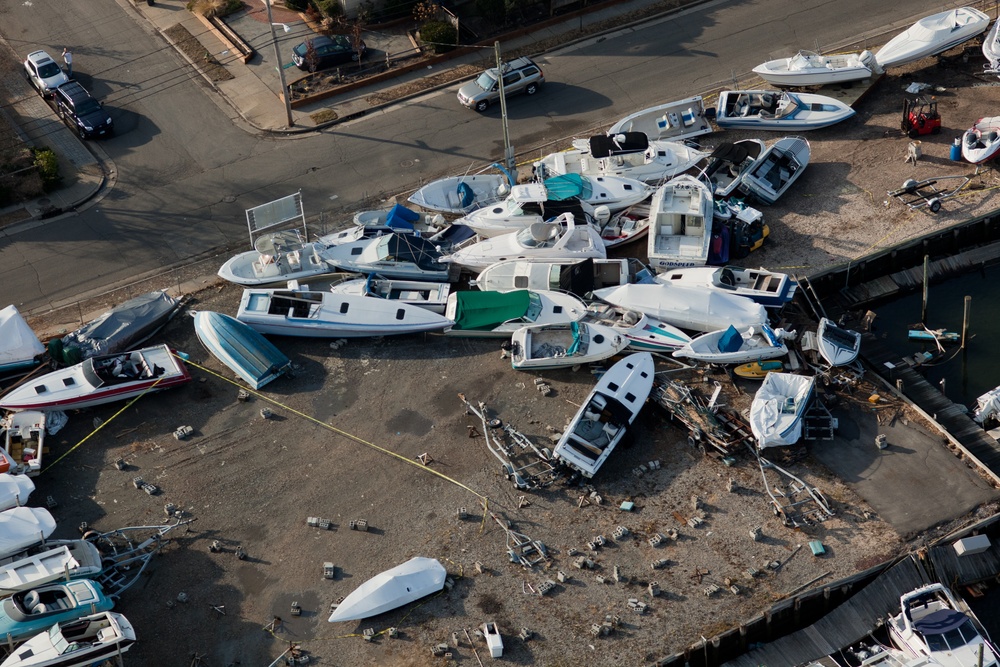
{"x":934,"y":205}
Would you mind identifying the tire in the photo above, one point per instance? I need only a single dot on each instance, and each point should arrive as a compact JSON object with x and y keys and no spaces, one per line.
{"x":531,"y":89}
{"x":934,"y":205}
{"x":482,"y":105}
{"x":355,"y":58}
{"x":936,"y":130}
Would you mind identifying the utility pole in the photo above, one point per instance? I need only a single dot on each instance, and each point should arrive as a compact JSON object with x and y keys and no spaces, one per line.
{"x":508,"y":150}
{"x":281,"y":70}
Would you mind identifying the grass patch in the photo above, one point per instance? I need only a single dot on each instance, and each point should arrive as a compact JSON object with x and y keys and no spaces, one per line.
{"x":194,"y":50}
{"x":323,"y":116}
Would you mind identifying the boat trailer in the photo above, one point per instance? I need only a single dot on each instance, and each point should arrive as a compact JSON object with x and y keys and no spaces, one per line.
{"x":125,"y":559}
{"x":926,"y":194}
{"x":521,"y":549}
{"x":798,"y":504}
{"x":717,"y":427}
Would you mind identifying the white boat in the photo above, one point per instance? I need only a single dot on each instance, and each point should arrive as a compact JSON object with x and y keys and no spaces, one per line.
{"x":837,"y":346}
{"x":499,"y":314}
{"x":14,"y":490}
{"x":987,"y":407}
{"x":414,"y":579}
{"x":807,"y":68}
{"x":991,"y":49}
{"x":74,"y":559}
{"x":933,"y":623}
{"x":606,"y":414}
{"x":629,"y":155}
{"x":680,"y":224}
{"x":83,"y":642}
{"x":728,"y":162}
{"x":403,"y":256}
{"x":623,"y":227}
{"x":491,"y":634}
{"x":548,"y":346}
{"x":24,"y":442}
{"x":430,"y":296}
{"x":277,"y":258}
{"x":689,"y":308}
{"x":459,"y":195}
{"x":99,"y":380}
{"x":731,"y":346}
{"x":780,"y":165}
{"x":674,"y":121}
{"x":243,"y":349}
{"x":561,"y":239}
{"x":20,"y":348}
{"x":399,"y":219}
{"x":777,"y":408}
{"x":577,"y":276}
{"x":24,"y":527}
{"x":644,"y":333}
{"x":778,"y":110}
{"x":932,"y":35}
{"x":285,"y":312}
{"x":981,"y":142}
{"x":768,"y":288}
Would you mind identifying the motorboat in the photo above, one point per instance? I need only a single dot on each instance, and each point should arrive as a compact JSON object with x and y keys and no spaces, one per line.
{"x":680,"y":223}
{"x":987,"y":407}
{"x":780,"y":166}
{"x":644,"y":333}
{"x":277,"y":258}
{"x":427,"y":295}
{"x":98,"y":380}
{"x":623,"y":227}
{"x":728,"y":162}
{"x":615,"y":192}
{"x":689,"y":308}
{"x":313,"y":314}
{"x":89,"y":640}
{"x":561,"y":239}
{"x":14,"y":490}
{"x":24,"y":442}
{"x":403,"y":256}
{"x":673,"y":121}
{"x":932,"y":35}
{"x":991,"y":49}
{"x":577,"y":276}
{"x":548,"y":346}
{"x":72,"y":559}
{"x":459,"y":195}
{"x":778,"y":407}
{"x":244,"y":350}
{"x":606,"y":414}
{"x":756,"y":370}
{"x":500,"y":314}
{"x":933,"y":623}
{"x":629,"y":155}
{"x":778,"y":110}
{"x":120,"y":329}
{"x":837,"y":346}
{"x":397,"y":218}
{"x":981,"y":142}
{"x":768,"y":288}
{"x":27,"y":613}
{"x":20,"y":349}
{"x":22,"y":528}
{"x":807,"y":68}
{"x":414,"y":579}
{"x":732,"y":346}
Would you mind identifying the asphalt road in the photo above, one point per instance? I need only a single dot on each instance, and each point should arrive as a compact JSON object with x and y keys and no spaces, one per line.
{"x":185,"y":172}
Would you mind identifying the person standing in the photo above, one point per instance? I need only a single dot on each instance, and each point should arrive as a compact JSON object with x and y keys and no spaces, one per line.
{"x":68,"y":59}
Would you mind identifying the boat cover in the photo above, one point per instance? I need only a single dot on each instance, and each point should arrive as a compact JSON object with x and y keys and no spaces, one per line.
{"x":604,"y":145}
{"x":568,"y":186}
{"x":393,"y":588}
{"x":776,"y":410}
{"x":401,"y":217}
{"x":120,"y":329}
{"x":14,"y":490}
{"x":18,"y":343}
{"x":940,"y":621}
{"x":452,"y":236}
{"x":245,"y":351}
{"x":731,"y":340}
{"x":486,"y":310}
{"x":22,"y":527}
{"x":409,"y":248}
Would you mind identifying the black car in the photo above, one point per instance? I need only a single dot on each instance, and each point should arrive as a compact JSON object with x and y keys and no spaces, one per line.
{"x":322,"y":52}
{"x":81,"y":111}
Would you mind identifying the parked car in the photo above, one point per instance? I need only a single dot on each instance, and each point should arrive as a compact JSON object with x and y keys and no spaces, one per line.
{"x":327,"y":52}
{"x":520,"y":75}
{"x":44,"y":73}
{"x":81,"y":111}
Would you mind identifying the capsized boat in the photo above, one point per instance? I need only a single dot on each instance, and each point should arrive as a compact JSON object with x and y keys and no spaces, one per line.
{"x":427,"y":295}
{"x":83,"y":642}
{"x":807,"y":68}
{"x":20,"y":348}
{"x":277,"y":258}
{"x":836,"y":345}
{"x":69,"y":559}
{"x":644,"y":333}
{"x":689,"y":308}
{"x":732,"y":346}
{"x":728,"y":162}
{"x":577,"y":276}
{"x":778,"y":110}
{"x":680,"y":223}
{"x":548,"y":346}
{"x":673,"y":121}
{"x":24,"y":442}
{"x":98,"y":380}
{"x":500,"y":314}
{"x":780,"y":165}
{"x":245,"y":351}
{"x":932,"y":35}
{"x":26,"y":613}
{"x":756,"y":370}
{"x":606,"y":414}
{"x":414,"y":579}
{"x":777,"y":408}
{"x":403,"y":256}
{"x":312,"y":314}
{"x":629,"y":155}
{"x":768,"y":288}
{"x":459,"y":195}
{"x":24,"y":527}
{"x":14,"y":490}
{"x":981,"y":142}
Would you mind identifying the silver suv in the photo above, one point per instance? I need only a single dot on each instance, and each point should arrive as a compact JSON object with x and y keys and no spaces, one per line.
{"x":520,"y":75}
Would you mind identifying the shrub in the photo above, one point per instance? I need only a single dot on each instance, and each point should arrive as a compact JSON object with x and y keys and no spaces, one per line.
{"x":48,"y":168}
{"x":216,"y":8}
{"x":440,"y":36}
{"x":494,"y":11}
{"x":330,"y":8}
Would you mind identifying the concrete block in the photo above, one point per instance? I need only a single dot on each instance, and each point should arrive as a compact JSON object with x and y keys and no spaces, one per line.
{"x":972,"y":545}
{"x":329,"y":570}
{"x":296,"y":609}
{"x":183,"y":433}
{"x":620,"y":532}
{"x":656,"y":540}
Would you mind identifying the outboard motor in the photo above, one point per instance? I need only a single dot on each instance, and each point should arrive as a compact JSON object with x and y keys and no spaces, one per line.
{"x":867,"y":59}
{"x":601,"y":215}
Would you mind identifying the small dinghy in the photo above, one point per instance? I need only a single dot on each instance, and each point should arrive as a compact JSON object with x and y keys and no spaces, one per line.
{"x":768,"y":288}
{"x":837,"y":346}
{"x":414,"y":579}
{"x":644,"y":333}
{"x":780,"y":166}
{"x":807,"y":68}
{"x":20,"y":348}
{"x":99,"y":380}
{"x":731,"y":346}
{"x":728,"y":163}
{"x":689,"y":308}
{"x":427,"y":295}
{"x":577,"y":276}
{"x":932,"y":35}
{"x":608,"y":411}
{"x":981,"y":142}
{"x":628,"y":155}
{"x":25,"y":614}
{"x":548,"y":346}
{"x":680,"y":224}
{"x":500,"y":314}
{"x":22,"y":528}
{"x":673,"y":121}
{"x":777,"y":409}
{"x":245,"y":351}
{"x":24,"y":442}
{"x":403,"y":256}
{"x":756,"y":370}
{"x":90,"y":640}
{"x":459,"y":195}
{"x":778,"y":110}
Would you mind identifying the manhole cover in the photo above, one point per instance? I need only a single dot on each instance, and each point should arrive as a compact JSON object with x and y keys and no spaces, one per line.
{"x":229,"y":199}
{"x":406,"y":163}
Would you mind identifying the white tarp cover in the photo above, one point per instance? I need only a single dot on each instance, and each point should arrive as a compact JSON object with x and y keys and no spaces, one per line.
{"x":18,"y":343}
{"x":393,"y":588}
{"x":22,"y":527}
{"x":987,"y":406}
{"x":14,"y":490}
{"x":776,"y":411}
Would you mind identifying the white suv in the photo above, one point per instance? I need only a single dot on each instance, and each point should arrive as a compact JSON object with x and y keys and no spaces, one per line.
{"x":520,"y":75}
{"x":43,"y":72}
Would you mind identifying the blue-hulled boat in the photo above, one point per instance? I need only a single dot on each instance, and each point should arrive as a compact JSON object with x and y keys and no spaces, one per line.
{"x":246,"y":352}
{"x":20,"y":348}
{"x":28,"y":613}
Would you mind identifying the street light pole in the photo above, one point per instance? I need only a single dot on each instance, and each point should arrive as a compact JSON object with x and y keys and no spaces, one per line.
{"x":281,"y":70}
{"x":508,"y":150}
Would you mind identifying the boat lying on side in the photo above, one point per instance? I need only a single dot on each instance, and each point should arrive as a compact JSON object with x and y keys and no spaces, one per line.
{"x":20,"y":349}
{"x":548,"y":346}
{"x":778,"y":407}
{"x":644,"y":333}
{"x":680,"y":223}
{"x":577,"y":276}
{"x":728,"y":162}
{"x":245,"y":351}
{"x":781,"y":165}
{"x":932,"y":35}
{"x":837,"y":346}
{"x":606,"y":414}
{"x":778,"y":110}
{"x":90,"y":640}
{"x":807,"y":68}
{"x":459,"y":195}
{"x":414,"y":579}
{"x":732,"y":346}
{"x":934,"y":624}
{"x":24,"y":442}
{"x":689,"y":308}
{"x":768,"y":288}
{"x":499,"y":314}
{"x":673,"y":121}
{"x":427,"y":295}
{"x":981,"y":142}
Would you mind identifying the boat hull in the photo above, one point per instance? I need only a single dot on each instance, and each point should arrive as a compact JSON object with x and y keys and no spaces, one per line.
{"x":771,"y":290}
{"x":780,"y":166}
{"x":789,"y":112}
{"x":674,"y":121}
{"x":687,"y":308}
{"x":245,"y":351}
{"x":811,"y":69}
{"x":932,"y":35}
{"x":777,"y":409}
{"x":414,"y":579}
{"x":550,"y":346}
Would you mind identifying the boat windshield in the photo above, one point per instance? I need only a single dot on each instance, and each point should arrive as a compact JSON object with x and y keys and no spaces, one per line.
{"x":534,"y":307}
{"x":58,"y":641}
{"x":952,"y":639}
{"x":787,"y":107}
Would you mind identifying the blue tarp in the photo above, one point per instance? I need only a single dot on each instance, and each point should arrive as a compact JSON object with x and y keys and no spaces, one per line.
{"x":401,"y":217}
{"x":568,"y":186}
